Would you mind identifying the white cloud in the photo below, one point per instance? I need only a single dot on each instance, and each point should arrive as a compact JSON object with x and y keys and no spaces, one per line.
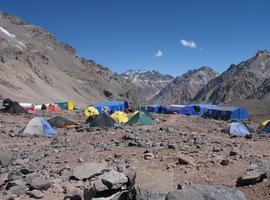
{"x":188,"y":43}
{"x":158,"y":54}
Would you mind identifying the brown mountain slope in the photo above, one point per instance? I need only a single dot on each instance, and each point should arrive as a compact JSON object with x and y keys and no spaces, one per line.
{"x":247,"y":80}
{"x":183,"y":88}
{"x":35,"y":67}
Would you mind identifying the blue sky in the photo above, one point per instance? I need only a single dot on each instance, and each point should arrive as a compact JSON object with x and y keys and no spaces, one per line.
{"x":169,"y":36}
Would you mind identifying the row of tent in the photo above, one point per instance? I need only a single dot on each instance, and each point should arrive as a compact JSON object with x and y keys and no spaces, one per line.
{"x":204,"y":110}
{"x":13,"y":107}
{"x":40,"y":126}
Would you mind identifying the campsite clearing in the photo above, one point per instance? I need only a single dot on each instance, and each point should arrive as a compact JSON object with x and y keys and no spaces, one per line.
{"x":160,"y":146}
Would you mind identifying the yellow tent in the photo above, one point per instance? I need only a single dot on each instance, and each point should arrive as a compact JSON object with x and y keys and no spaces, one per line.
{"x":135,"y":112}
{"x":90,"y":111}
{"x":120,"y":117}
{"x":263,"y":124}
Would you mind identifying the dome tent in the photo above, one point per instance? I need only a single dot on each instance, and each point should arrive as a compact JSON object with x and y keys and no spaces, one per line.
{"x":90,"y":111}
{"x":101,"y":120}
{"x":238,"y":128}
{"x":61,"y":122}
{"x":120,"y":117}
{"x":38,"y":126}
{"x":141,"y":118}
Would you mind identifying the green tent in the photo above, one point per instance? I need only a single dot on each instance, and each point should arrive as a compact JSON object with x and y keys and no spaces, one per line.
{"x":101,"y":120}
{"x":141,"y":118}
{"x":61,"y":122}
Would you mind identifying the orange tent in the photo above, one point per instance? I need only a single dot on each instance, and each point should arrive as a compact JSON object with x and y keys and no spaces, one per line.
{"x":53,"y":107}
{"x":31,"y":110}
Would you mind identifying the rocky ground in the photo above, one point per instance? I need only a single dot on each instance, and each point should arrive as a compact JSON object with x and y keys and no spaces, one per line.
{"x":189,"y":156}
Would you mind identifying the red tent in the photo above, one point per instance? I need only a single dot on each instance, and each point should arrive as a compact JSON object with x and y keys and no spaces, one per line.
{"x":53,"y":107}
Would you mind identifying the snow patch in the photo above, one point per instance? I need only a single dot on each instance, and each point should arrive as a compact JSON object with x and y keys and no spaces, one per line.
{"x":7,"y":33}
{"x":12,"y":36}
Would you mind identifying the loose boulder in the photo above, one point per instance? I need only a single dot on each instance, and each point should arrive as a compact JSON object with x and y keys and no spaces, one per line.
{"x":205,"y":192}
{"x":256,"y":172}
{"x":5,"y":159}
{"x":89,"y":170}
{"x":113,"y":179}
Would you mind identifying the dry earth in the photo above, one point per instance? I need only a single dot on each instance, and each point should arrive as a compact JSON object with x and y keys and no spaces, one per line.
{"x":210,"y":152}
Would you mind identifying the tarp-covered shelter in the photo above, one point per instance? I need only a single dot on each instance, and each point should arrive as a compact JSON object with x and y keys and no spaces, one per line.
{"x":120,"y":117}
{"x":111,"y":106}
{"x":141,"y":118}
{"x":38,"y":126}
{"x":195,"y":109}
{"x":61,"y":122}
{"x":226,"y":113}
{"x":12,"y":107}
{"x":101,"y":120}
{"x":170,"y":109}
{"x":154,"y":108}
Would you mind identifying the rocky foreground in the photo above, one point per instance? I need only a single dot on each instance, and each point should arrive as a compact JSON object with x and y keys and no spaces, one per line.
{"x":179,"y":158}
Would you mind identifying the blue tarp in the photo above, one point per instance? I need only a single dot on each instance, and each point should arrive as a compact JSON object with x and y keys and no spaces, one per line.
{"x":215,"y":111}
{"x":154,"y":108}
{"x":226,"y":113}
{"x":195,"y":109}
{"x":170,"y":109}
{"x":238,"y":129}
{"x":108,"y":106}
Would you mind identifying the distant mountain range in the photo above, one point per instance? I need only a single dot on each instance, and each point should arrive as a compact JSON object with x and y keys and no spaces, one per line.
{"x":183,"y":88}
{"x":248,"y":80}
{"x":35,"y":67}
{"x":147,"y":83}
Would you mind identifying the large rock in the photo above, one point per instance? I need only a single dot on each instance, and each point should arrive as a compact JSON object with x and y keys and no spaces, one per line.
{"x":3,"y":178}
{"x":153,"y":184}
{"x":18,"y":190}
{"x":113,"y":179}
{"x":256,"y":172}
{"x":40,"y":183}
{"x":73,"y":193}
{"x":88,"y":170}
{"x":36,"y":194}
{"x":185,"y":160}
{"x":5,"y":159}
{"x":205,"y":192}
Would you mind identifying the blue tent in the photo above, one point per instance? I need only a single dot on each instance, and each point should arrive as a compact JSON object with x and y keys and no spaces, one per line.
{"x":39,"y":126}
{"x":239,"y":129}
{"x":154,"y":108}
{"x":170,"y":109}
{"x":226,"y":113}
{"x":108,"y":106}
{"x":195,"y":109}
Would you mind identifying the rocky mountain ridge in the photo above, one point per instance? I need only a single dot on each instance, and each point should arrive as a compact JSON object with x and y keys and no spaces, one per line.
{"x":147,"y":83}
{"x":249,"y":79}
{"x":183,"y":88}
